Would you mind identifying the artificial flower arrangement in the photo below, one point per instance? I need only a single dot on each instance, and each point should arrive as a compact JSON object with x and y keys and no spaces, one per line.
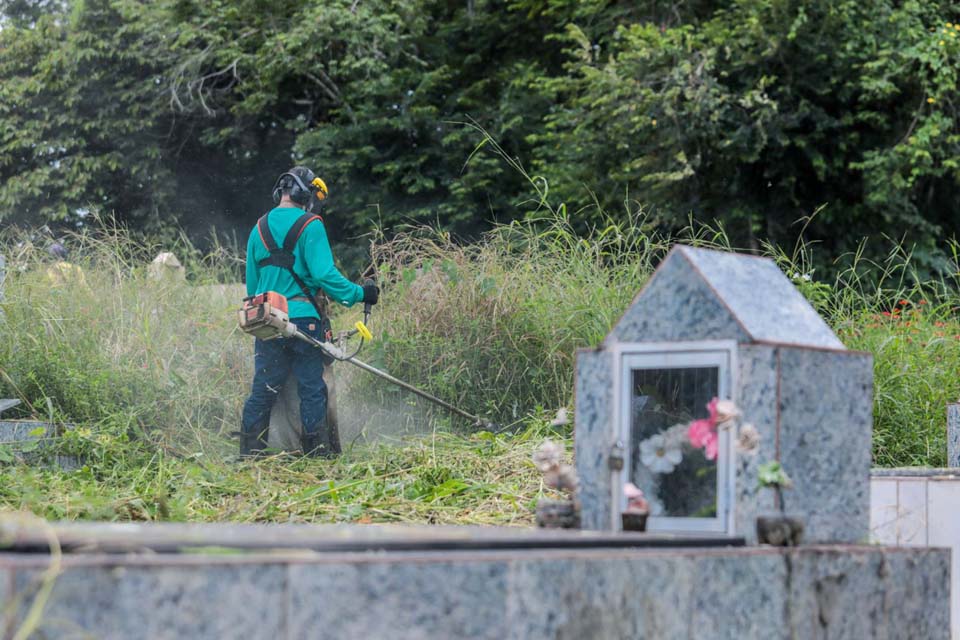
{"x":557,"y":514}
{"x":634,"y":517}
{"x":661,"y":453}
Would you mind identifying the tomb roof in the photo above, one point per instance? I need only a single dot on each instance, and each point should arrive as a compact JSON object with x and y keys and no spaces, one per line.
{"x":702,"y":294}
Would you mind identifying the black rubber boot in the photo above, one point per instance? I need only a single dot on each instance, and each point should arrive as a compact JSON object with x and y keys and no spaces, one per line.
{"x":333,"y":433}
{"x":316,"y":446}
{"x":253,"y":443}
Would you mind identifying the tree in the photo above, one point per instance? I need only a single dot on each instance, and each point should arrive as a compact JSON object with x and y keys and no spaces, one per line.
{"x":762,"y":113}
{"x":754,"y":113}
{"x":79,"y":120}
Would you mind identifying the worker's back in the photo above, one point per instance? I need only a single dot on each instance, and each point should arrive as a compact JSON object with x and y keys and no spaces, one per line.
{"x":313,"y":262}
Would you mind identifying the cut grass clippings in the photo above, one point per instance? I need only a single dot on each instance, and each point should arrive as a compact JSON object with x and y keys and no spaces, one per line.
{"x":444,"y":478}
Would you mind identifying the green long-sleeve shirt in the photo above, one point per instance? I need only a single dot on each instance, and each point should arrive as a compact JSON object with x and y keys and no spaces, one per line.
{"x":314,"y":264}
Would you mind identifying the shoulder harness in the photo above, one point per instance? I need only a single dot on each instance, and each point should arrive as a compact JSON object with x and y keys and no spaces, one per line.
{"x":282,"y":256}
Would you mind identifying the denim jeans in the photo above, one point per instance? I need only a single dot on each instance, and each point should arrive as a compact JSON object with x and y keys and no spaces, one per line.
{"x":273,"y":361}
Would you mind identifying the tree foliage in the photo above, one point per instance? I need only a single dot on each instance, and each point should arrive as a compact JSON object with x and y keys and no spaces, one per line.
{"x":764,"y":112}
{"x":751,"y":113}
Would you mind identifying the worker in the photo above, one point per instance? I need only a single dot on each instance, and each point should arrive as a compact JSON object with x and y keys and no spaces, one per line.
{"x":288,"y":252}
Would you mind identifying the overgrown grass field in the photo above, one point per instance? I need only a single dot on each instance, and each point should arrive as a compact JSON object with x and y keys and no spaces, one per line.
{"x":153,"y":373}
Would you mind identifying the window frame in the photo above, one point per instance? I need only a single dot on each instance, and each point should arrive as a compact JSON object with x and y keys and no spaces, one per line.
{"x":676,"y":355}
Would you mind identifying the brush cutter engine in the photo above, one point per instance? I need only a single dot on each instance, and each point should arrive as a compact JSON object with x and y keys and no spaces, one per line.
{"x":265,"y":316}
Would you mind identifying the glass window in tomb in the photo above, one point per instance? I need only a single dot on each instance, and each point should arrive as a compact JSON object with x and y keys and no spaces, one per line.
{"x":681,"y":465}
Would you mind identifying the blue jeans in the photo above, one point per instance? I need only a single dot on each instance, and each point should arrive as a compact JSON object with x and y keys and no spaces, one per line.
{"x":273,"y":361}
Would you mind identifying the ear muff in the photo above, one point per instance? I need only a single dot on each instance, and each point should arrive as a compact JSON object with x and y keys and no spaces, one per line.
{"x":299,"y":192}
{"x":321,"y":188}
{"x":279,"y":186}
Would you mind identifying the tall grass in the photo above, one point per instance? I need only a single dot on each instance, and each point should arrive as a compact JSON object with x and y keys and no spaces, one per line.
{"x":107,"y":343}
{"x":493,"y":325}
{"x":154,"y":373}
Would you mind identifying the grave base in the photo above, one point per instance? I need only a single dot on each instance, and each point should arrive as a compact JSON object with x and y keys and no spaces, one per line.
{"x":478,"y":591}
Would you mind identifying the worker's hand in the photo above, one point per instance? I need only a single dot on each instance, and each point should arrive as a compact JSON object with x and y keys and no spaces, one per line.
{"x":371,"y":292}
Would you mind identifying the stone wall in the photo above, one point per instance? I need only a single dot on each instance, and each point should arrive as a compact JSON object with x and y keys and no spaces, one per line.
{"x":917,"y":507}
{"x":593,"y":436}
{"x":809,"y":592}
{"x":824,"y":431}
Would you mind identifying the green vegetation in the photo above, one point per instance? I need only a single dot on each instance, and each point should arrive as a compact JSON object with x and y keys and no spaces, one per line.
{"x":153,"y":373}
{"x":753,"y":114}
{"x":441,"y":479}
{"x":771,"y":474}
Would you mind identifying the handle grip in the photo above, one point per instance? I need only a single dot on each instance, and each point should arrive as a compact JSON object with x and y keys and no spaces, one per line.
{"x":367,"y":307}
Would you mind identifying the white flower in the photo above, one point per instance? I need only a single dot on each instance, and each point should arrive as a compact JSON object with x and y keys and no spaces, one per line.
{"x":547,"y":457}
{"x":676,"y":435}
{"x":748,"y":440}
{"x":726,"y":411}
{"x":659,"y":455}
{"x":561,"y":419}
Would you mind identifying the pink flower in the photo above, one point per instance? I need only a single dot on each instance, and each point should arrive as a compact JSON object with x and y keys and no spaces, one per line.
{"x":712,"y":444}
{"x":631,"y":490}
{"x":699,"y":432}
{"x":703,"y":433}
{"x":712,"y":408}
{"x":635,"y":500}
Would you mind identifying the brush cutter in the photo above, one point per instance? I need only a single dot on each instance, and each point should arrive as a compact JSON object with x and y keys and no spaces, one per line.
{"x":265,"y":316}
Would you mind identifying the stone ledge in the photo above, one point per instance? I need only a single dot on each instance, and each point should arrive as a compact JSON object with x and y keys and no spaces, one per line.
{"x":915,"y":472}
{"x":824,"y":591}
{"x":173,"y":537}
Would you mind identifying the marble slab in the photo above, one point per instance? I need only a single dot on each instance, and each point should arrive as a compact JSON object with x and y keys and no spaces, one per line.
{"x":594,"y":436}
{"x":15,"y":434}
{"x":757,"y":399}
{"x":943,"y":530}
{"x":28,"y":536}
{"x":399,"y":600}
{"x":912,"y":520}
{"x":761,"y":298}
{"x":837,"y":592}
{"x":883,"y":510}
{"x":677,"y":304}
{"x":953,"y":435}
{"x":8,"y":403}
{"x":826,"y":427}
{"x":897,"y":519}
{"x":162,"y":602}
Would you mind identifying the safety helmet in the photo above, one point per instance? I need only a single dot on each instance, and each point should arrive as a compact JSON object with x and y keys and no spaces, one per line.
{"x":301,"y":185}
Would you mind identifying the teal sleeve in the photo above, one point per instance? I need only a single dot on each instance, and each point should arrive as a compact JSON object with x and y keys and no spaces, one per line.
{"x":323,"y":272}
{"x":253,"y":271}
